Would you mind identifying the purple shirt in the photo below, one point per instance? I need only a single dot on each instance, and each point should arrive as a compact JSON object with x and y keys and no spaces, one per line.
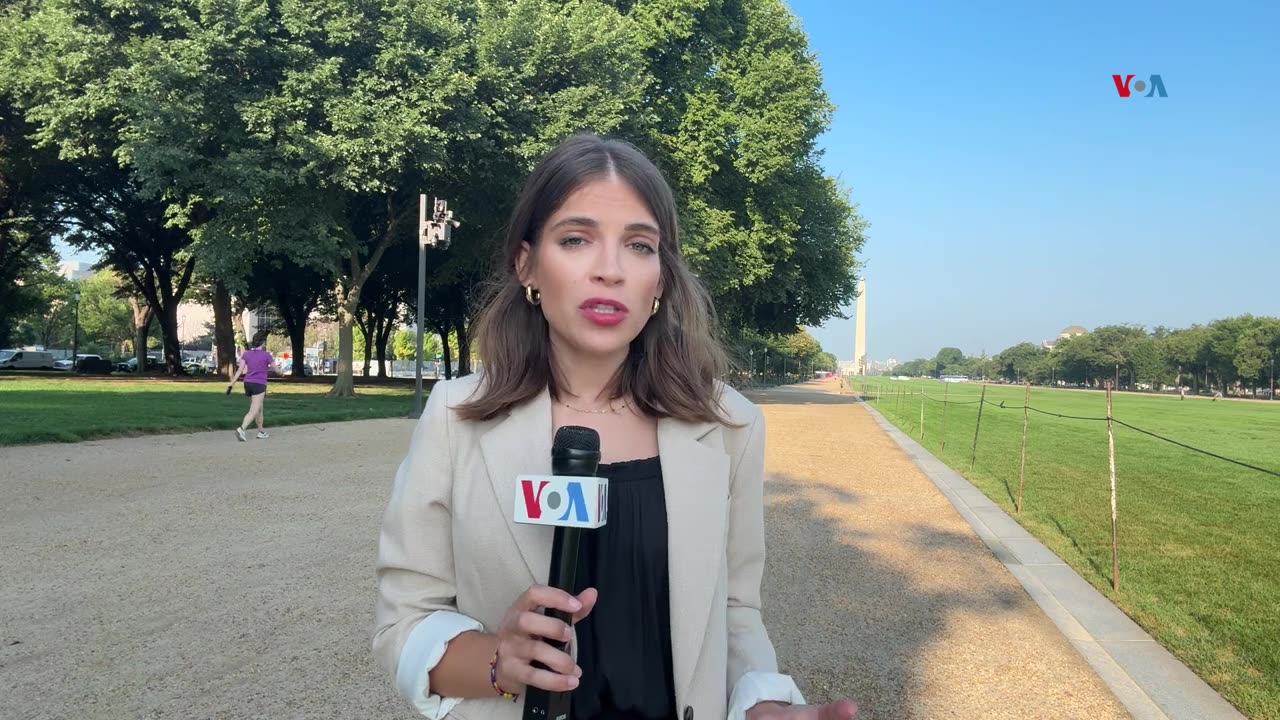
{"x":256,"y":363}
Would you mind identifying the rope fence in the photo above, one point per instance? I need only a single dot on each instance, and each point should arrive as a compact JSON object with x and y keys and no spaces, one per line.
{"x":873,"y":393}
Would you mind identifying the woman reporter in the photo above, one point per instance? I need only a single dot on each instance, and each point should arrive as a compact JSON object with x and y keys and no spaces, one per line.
{"x":593,"y":319}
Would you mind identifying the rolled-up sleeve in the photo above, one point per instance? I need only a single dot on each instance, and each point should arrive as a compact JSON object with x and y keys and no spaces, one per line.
{"x":416,"y":615}
{"x":423,"y":649}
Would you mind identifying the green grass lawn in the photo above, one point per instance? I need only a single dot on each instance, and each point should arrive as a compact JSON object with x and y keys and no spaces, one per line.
{"x":1199,"y":538}
{"x":73,"y":409}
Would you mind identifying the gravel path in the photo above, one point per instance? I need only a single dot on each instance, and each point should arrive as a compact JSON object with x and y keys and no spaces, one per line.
{"x":878,"y":590}
{"x":191,"y":576}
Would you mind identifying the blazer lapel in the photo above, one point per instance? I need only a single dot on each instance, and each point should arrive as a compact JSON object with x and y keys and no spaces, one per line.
{"x":696,"y":484}
{"x":695,"y":473}
{"x":520,"y":444}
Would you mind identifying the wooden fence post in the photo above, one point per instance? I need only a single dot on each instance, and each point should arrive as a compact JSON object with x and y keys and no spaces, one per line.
{"x":946,"y":392}
{"x":973,"y":458}
{"x":1022,"y":468}
{"x":1111,"y":452}
{"x":921,"y":414}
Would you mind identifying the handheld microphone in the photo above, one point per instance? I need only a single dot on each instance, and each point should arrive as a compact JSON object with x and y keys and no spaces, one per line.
{"x":571,"y":499}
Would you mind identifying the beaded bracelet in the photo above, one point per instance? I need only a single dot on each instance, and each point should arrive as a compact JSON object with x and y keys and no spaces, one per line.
{"x":493,"y":678}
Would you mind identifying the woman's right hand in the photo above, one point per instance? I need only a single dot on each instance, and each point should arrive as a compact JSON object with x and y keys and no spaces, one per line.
{"x":521,"y":640}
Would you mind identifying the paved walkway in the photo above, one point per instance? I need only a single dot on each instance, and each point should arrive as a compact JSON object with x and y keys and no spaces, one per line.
{"x":194,"y":576}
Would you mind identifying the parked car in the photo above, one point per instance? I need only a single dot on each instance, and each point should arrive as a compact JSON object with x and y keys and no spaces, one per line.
{"x":65,"y":363}
{"x":132,"y":364}
{"x":26,"y":360}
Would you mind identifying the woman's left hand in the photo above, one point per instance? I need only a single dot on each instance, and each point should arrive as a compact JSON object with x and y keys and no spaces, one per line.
{"x":841,"y":710}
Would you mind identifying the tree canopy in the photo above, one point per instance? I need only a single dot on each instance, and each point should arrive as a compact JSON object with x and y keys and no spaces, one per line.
{"x":226,"y":137}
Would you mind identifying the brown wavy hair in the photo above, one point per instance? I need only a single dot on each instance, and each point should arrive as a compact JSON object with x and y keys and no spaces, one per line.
{"x":673,"y":364}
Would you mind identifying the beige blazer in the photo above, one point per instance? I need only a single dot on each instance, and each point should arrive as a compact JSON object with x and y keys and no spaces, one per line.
{"x":448,"y":543}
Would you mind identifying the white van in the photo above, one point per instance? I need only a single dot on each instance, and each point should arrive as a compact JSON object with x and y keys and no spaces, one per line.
{"x":25,"y":360}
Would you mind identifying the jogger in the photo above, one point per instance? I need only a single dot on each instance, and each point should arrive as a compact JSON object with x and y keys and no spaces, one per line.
{"x":253,"y":365}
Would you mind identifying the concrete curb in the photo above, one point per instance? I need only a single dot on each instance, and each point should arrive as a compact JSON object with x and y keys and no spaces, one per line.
{"x":1148,"y":680}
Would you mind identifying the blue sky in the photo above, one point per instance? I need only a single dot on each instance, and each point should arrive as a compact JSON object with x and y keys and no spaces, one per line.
{"x":1011,"y":192}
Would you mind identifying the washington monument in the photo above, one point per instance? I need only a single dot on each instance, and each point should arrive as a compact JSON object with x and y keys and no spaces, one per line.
{"x":860,"y":334}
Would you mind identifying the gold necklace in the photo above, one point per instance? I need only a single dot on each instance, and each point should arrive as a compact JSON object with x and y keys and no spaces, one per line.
{"x":611,"y":409}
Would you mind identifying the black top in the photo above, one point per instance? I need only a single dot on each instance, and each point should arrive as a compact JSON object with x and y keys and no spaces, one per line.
{"x":624,"y":644}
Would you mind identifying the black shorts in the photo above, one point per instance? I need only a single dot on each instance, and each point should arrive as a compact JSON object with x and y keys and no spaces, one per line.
{"x":252,"y":389}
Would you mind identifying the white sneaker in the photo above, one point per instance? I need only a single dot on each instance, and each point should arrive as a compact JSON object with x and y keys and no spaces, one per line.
{"x":262,"y":436}
{"x":240,"y":434}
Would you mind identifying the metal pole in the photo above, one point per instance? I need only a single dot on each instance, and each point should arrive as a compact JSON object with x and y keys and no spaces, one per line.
{"x":75,"y":339}
{"x":422,"y":298}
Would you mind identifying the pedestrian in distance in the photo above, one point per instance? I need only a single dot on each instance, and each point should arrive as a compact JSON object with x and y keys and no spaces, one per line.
{"x":253,"y":366}
{"x":594,"y":319}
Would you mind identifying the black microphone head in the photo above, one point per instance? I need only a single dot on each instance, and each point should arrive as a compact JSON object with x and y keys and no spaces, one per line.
{"x":576,"y":437}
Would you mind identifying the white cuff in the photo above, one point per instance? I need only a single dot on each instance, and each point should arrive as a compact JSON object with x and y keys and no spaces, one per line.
{"x":424,"y":648}
{"x":756,"y":687}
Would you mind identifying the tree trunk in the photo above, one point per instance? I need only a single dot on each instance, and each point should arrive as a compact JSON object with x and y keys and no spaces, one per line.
{"x":169,"y":336}
{"x":444,"y":345}
{"x":348,"y":297}
{"x":384,"y":334}
{"x":155,"y":284}
{"x":345,"y":385}
{"x":141,"y":328}
{"x":224,"y":336}
{"x":298,"y":342}
{"x":370,"y":330}
{"x":464,"y":349}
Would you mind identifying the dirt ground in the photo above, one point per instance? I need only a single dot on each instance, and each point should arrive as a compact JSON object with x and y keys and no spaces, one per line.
{"x":191,"y":576}
{"x":878,"y":590}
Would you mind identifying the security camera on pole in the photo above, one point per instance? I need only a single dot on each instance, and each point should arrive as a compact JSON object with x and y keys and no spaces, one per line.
{"x":436,"y":232}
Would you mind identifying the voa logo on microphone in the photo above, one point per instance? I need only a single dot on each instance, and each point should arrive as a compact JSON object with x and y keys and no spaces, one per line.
{"x":561,"y":501}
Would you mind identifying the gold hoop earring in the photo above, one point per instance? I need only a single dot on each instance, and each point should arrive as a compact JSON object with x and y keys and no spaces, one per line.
{"x":533,"y":297}
{"x":654,"y":311}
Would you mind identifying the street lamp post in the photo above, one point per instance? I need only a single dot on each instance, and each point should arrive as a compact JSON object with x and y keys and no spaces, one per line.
{"x":437,"y":232}
{"x":75,"y":336}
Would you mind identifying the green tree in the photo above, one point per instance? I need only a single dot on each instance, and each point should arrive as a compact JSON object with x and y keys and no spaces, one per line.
{"x":734,"y":110}
{"x":1188,"y":352}
{"x":1255,"y":352}
{"x":405,"y":345}
{"x":1112,"y":349}
{"x":69,"y":69}
{"x":105,"y":316}
{"x":29,"y":217}
{"x":919,"y":367}
{"x":947,"y":360}
{"x":1018,"y":363}
{"x":1149,"y":361}
{"x":1224,"y":336}
{"x":49,"y":321}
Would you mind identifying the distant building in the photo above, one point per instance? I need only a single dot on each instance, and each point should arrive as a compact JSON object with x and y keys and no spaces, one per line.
{"x":193,"y":321}
{"x":1069,"y":332}
{"x":75,"y":270}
